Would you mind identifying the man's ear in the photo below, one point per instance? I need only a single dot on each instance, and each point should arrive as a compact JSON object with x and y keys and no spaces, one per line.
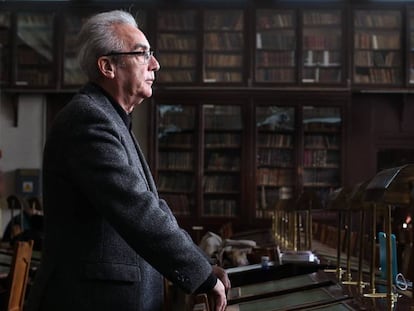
{"x":106,"y":67}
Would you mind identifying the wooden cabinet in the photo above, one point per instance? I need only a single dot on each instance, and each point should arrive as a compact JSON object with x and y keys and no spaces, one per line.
{"x":377,"y":56}
{"x":35,"y":50}
{"x":233,"y":159}
{"x":5,"y":47}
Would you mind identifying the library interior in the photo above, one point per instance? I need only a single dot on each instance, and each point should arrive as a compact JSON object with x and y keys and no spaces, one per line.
{"x":278,"y":133}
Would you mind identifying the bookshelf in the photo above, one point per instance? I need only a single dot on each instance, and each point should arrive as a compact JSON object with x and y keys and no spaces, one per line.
{"x":322,"y":147}
{"x":177,"y":155}
{"x":275,"y":46}
{"x":223,"y":134}
{"x":275,"y":157}
{"x":35,"y":54}
{"x":223,"y":59}
{"x":5,"y":47}
{"x":177,"y":46}
{"x":377,"y":47}
{"x":322,"y":41}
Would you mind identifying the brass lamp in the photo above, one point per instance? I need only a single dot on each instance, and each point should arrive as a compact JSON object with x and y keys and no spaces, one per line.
{"x":390,"y":187}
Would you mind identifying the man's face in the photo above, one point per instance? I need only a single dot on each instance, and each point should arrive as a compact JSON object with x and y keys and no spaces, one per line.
{"x":135,"y":74}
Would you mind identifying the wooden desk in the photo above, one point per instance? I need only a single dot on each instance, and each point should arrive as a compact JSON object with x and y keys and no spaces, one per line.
{"x":277,"y":287}
{"x":294,"y":301}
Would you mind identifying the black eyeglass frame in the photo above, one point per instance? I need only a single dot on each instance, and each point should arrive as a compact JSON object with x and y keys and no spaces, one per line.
{"x":147,"y":54}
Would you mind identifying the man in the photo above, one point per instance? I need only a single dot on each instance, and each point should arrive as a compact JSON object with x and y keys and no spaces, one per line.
{"x":109,"y":237}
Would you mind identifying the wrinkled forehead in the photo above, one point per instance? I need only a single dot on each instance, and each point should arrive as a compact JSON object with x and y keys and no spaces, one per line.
{"x":133,"y":38}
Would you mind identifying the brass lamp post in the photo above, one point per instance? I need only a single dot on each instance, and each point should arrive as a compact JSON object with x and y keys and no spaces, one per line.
{"x":389,"y":188}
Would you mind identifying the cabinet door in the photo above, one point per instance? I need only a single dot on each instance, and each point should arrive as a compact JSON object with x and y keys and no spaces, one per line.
{"x":322,"y":141}
{"x":322,"y":47}
{"x":5,"y":48}
{"x":275,"y":46}
{"x":72,"y":73}
{"x":410,"y":34}
{"x":177,"y":46}
{"x":223,"y":133}
{"x":223,"y":46}
{"x":377,"y":47}
{"x":177,"y":155}
{"x":275,"y":157}
{"x":35,"y":55}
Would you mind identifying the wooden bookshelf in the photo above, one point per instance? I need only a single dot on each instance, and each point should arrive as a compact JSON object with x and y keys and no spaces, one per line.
{"x":377,"y":47}
{"x":176,"y":166}
{"x":224,"y":46}
{"x":275,"y":48}
{"x":275,"y":157}
{"x":322,"y":149}
{"x":177,"y":43}
{"x":223,"y":134}
{"x":322,"y":45}
{"x":35,"y":50}
{"x":5,"y":47}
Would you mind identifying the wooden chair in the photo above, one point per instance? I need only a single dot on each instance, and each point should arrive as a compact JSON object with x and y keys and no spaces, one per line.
{"x":201,"y":303}
{"x":18,"y":276}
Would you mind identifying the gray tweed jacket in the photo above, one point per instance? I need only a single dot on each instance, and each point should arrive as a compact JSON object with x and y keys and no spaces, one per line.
{"x":109,"y":237}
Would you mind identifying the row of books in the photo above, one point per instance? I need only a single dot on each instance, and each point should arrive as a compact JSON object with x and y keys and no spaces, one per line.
{"x":225,"y":122}
{"x":276,"y":41}
{"x":177,"y":59}
{"x":275,"y":75}
{"x":282,"y":58}
{"x":220,"y":208}
{"x":321,"y":141}
{"x":275,"y":157}
{"x":169,"y":41}
{"x":223,"y":60}
{"x":317,"y":176}
{"x":222,"y":75}
{"x":214,"y":140}
{"x":368,"y":40}
{"x":34,"y":77}
{"x":320,"y":158}
{"x":177,"y":140}
{"x":315,"y":18}
{"x":377,"y":75}
{"x":330,"y":41}
{"x":177,"y":21}
{"x":324,"y":57}
{"x":217,"y":20}
{"x":274,"y":177}
{"x":275,"y":140}
{"x":220,"y":183}
{"x":219,"y":161}
{"x":364,"y":18}
{"x":176,"y":160}
{"x":377,"y":58}
{"x":176,"y":182}
{"x":179,"y":203}
{"x":321,"y":74}
{"x":269,"y":19}
{"x":4,"y":19}
{"x":177,"y":76}
{"x":224,"y":41}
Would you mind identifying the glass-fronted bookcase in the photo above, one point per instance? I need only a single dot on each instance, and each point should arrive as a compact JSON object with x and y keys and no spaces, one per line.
{"x":377,"y":57}
{"x":5,"y":47}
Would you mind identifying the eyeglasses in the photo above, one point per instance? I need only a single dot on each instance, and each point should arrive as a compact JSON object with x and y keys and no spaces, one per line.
{"x":146,"y":54}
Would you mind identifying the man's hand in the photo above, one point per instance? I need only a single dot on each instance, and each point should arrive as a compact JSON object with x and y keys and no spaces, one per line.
{"x":219,"y":295}
{"x":221,"y":274}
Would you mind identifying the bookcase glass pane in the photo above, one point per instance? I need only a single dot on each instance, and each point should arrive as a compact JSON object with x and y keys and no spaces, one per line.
{"x":176,"y":160}
{"x":411,"y":46}
{"x":275,"y":56}
{"x":177,"y":46}
{"x":322,"y":46}
{"x":377,"y":47}
{"x":35,"y":50}
{"x":321,"y":150}
{"x":5,"y":48}
{"x":223,"y":130}
{"x":275,"y":157}
{"x":223,"y":46}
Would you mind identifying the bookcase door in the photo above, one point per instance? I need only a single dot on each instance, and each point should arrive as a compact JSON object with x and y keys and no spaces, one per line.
{"x":5,"y":48}
{"x":275,"y":157}
{"x":377,"y":47}
{"x":322,"y":50}
{"x":177,"y":44}
{"x":322,"y":140}
{"x":223,"y":134}
{"x":177,"y":155}
{"x":223,"y":46}
{"x":35,"y":53}
{"x":275,"y":52}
